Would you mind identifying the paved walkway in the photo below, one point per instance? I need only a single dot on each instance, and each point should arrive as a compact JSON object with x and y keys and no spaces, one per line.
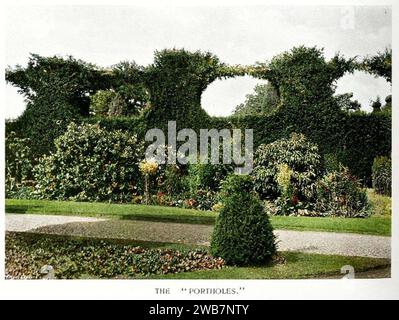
{"x":303,"y":241}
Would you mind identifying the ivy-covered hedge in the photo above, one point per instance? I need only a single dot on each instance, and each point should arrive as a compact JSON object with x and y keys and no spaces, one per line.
{"x":59,"y":90}
{"x":353,"y":139}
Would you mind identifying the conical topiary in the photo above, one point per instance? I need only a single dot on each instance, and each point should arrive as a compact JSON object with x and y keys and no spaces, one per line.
{"x":243,"y":234}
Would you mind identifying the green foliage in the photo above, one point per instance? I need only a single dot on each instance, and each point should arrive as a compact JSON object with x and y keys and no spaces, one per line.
{"x":101,"y":101}
{"x":302,"y":75}
{"x":302,"y":158}
{"x":90,"y":164}
{"x":340,"y":194}
{"x":207,"y":176}
{"x":56,"y":91}
{"x":175,"y":82}
{"x":74,"y":259}
{"x":173,"y":180}
{"x":379,"y":65}
{"x":264,"y":100}
{"x":388,"y":104}
{"x":75,"y":80}
{"x":45,"y":118}
{"x":353,"y":139}
{"x":376,"y":105}
{"x":128,"y":83}
{"x":381,"y":174}
{"x":346,"y":103}
{"x":18,"y":163}
{"x":243,"y":234}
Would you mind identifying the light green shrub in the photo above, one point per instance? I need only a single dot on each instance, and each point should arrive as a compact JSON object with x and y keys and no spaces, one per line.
{"x":90,"y":164}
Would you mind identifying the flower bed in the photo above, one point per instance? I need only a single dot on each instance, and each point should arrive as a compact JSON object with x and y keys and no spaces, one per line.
{"x":26,"y":254}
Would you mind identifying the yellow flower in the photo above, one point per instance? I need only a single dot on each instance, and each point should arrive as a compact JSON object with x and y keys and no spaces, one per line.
{"x":148,"y":167}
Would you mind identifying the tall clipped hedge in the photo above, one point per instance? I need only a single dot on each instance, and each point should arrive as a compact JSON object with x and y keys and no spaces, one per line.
{"x":353,"y":139}
{"x":175,"y":82}
{"x":58,"y":91}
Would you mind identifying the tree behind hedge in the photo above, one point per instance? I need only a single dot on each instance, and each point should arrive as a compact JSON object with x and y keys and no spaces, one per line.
{"x":90,"y":164}
{"x":243,"y":234}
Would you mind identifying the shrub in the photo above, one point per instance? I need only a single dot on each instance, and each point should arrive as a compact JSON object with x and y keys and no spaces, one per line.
{"x":382,"y":175}
{"x":18,"y":163}
{"x":340,"y":194}
{"x":173,"y":180}
{"x":207,"y":176}
{"x":90,"y":164}
{"x":243,"y":234}
{"x":302,"y":158}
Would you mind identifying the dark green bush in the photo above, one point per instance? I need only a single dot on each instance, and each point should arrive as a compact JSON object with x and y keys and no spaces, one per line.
{"x":207,"y":176}
{"x":243,"y":234}
{"x":302,"y":158}
{"x":382,"y":172}
{"x":90,"y":164}
{"x":340,"y":194}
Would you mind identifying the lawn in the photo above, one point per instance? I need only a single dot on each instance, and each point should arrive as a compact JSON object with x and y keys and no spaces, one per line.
{"x":378,"y":224}
{"x":297,"y":266}
{"x":74,"y":257}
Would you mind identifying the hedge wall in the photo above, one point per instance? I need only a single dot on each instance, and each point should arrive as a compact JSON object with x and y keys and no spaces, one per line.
{"x":352,"y":139}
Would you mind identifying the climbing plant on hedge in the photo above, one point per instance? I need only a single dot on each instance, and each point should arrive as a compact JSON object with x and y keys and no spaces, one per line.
{"x":57,"y":91}
{"x":379,"y":65}
{"x":90,"y":164}
{"x":175,"y":82}
{"x":243,"y":234}
{"x":303,"y":76}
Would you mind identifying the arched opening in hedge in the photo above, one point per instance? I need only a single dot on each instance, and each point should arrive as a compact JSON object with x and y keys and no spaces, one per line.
{"x":222,"y":96}
{"x":365,"y":88}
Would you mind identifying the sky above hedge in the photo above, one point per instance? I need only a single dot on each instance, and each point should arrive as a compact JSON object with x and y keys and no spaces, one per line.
{"x":238,"y":35}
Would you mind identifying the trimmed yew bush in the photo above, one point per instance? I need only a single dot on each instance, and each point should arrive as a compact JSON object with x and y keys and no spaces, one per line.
{"x":90,"y":164}
{"x":243,"y":234}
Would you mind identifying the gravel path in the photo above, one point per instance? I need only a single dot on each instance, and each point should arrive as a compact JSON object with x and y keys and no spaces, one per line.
{"x":303,"y":241}
{"x":26,"y":222}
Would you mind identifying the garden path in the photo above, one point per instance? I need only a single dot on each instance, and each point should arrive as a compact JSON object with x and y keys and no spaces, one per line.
{"x":303,"y":241}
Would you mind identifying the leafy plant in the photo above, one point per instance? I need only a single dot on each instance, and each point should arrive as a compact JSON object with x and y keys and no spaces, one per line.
{"x":18,"y":163}
{"x":379,"y":65}
{"x":340,"y":194}
{"x":71,"y":259}
{"x":382,"y":172}
{"x":302,"y":158}
{"x":243,"y":234}
{"x":90,"y":164}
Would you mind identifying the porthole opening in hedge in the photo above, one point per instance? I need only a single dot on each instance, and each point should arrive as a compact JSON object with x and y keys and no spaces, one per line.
{"x":222,"y":97}
{"x":365,"y":88}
